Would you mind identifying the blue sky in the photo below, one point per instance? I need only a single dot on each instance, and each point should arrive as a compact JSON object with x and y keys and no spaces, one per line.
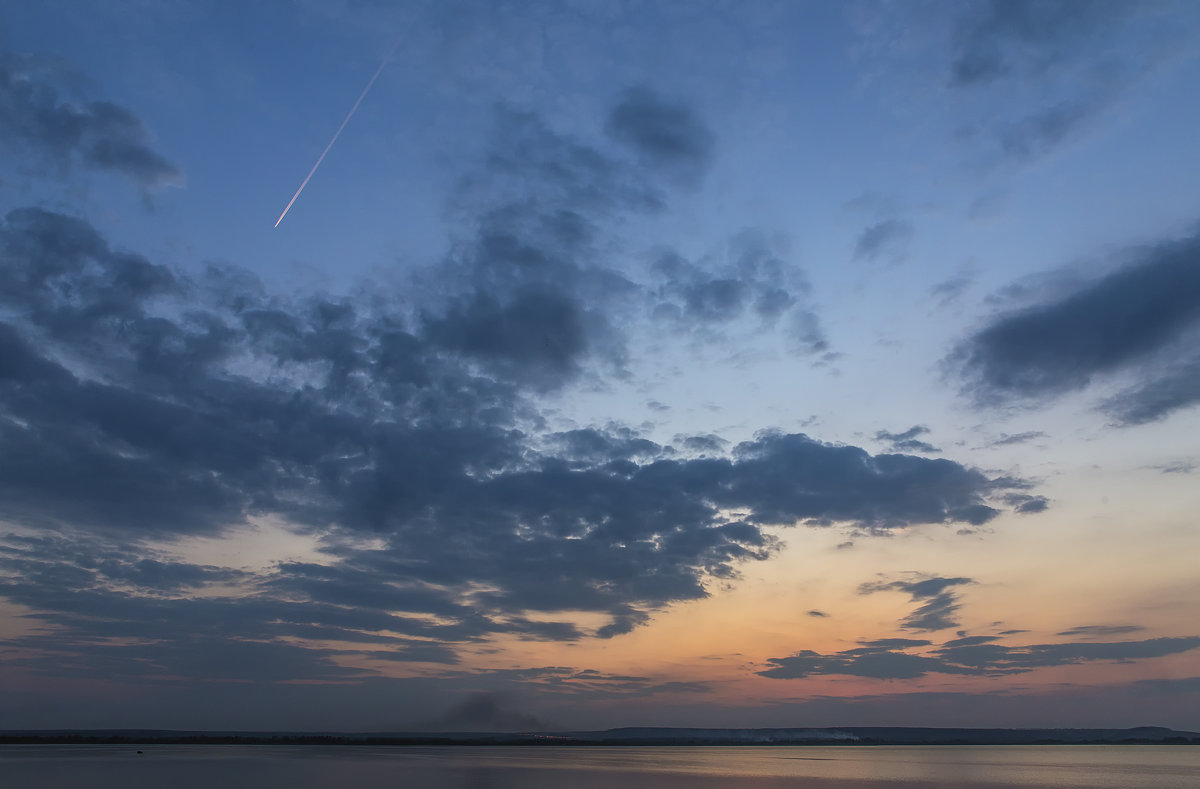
{"x":623,"y":363}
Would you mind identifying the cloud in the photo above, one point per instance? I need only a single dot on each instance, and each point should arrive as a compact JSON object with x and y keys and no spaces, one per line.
{"x":1037,"y":74}
{"x":889,"y":237}
{"x":1171,"y":391}
{"x":406,"y":437}
{"x":1134,"y":318}
{"x":940,"y":601}
{"x":1005,"y":38}
{"x":748,"y":285}
{"x":950,"y":290}
{"x":1017,"y":438}
{"x":968,"y":656}
{"x":666,"y":135}
{"x":907,"y":441}
{"x":817,"y":614}
{"x":62,"y":132}
{"x":1179,"y":467}
{"x":1090,"y":631}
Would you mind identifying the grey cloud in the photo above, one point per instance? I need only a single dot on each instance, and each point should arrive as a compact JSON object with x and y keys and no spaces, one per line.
{"x":1101,"y":631}
{"x":806,"y":333}
{"x":1071,"y":60}
{"x":666,"y":135}
{"x":863,"y":662}
{"x":1172,"y":390}
{"x":907,"y":441}
{"x":702,"y":444}
{"x":1133,"y":318}
{"x":541,"y":334}
{"x":940,"y":605}
{"x":817,"y":614}
{"x":36,"y":118}
{"x":895,"y":643}
{"x":889,"y":237}
{"x":1025,"y":503}
{"x":142,"y":405}
{"x":952,"y":289}
{"x":1017,"y":438}
{"x":1181,"y":467}
{"x":751,"y":279}
{"x":1002,"y":38}
{"x":967,"y":656}
{"x":1040,"y":132}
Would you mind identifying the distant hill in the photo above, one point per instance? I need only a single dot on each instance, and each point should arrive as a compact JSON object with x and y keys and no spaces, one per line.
{"x":642,"y":736}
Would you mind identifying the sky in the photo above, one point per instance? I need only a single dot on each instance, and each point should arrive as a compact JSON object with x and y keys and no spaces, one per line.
{"x":723,"y":364}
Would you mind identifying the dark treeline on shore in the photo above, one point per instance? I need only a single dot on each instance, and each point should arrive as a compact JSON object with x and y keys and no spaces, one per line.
{"x":854,"y":735}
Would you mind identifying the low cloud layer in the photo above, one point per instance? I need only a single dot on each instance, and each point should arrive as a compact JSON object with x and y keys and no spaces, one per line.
{"x":978,"y":656}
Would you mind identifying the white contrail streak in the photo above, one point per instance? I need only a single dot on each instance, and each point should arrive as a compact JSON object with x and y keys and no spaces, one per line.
{"x":346,"y":120}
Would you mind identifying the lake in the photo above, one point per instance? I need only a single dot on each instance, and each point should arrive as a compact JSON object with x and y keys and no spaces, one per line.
{"x":885,"y":767}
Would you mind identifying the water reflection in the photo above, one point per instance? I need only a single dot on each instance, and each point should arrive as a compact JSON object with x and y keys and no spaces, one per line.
{"x":299,"y":767}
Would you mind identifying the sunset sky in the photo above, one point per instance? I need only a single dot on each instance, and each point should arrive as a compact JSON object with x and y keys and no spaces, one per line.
{"x":682,"y":363}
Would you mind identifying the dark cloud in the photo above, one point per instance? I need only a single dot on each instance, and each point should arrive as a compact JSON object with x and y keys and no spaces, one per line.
{"x":1101,"y":631}
{"x":140,"y":405}
{"x":666,"y":135}
{"x":907,"y":441}
{"x":939,"y":600}
{"x":1005,"y":38}
{"x":1181,"y":467}
{"x":1025,"y":503}
{"x":818,"y":614}
{"x":877,"y":663}
{"x":1137,"y":317}
{"x":950,"y":290}
{"x":749,"y":279}
{"x":1172,"y":390}
{"x":967,"y":656}
{"x":1068,"y":62}
{"x":1017,"y":438}
{"x":889,"y":237}
{"x":1035,"y":135}
{"x":61,"y":131}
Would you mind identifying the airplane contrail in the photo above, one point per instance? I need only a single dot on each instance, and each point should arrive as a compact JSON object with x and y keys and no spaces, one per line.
{"x":346,"y":120}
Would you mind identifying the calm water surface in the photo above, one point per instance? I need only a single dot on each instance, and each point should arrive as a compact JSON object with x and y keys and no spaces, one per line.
{"x":303,"y":767}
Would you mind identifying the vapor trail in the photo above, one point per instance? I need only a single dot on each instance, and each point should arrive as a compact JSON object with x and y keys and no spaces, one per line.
{"x":346,"y":120}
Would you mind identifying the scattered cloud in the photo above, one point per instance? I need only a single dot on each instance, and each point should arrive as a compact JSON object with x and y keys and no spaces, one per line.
{"x":59,"y":130}
{"x":749,"y":280}
{"x":1180,"y":467}
{"x":939,"y":600}
{"x":951,"y":290}
{"x":666,"y":134}
{"x":1100,"y":631}
{"x":999,"y":39}
{"x":142,"y":405}
{"x":1033,"y":75}
{"x":888,"y":238}
{"x":971,"y":657}
{"x":907,"y":441}
{"x":1136,"y":317}
{"x":1006,"y":439}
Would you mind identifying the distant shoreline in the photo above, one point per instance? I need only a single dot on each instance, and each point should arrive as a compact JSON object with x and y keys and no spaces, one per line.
{"x":635,"y":737}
